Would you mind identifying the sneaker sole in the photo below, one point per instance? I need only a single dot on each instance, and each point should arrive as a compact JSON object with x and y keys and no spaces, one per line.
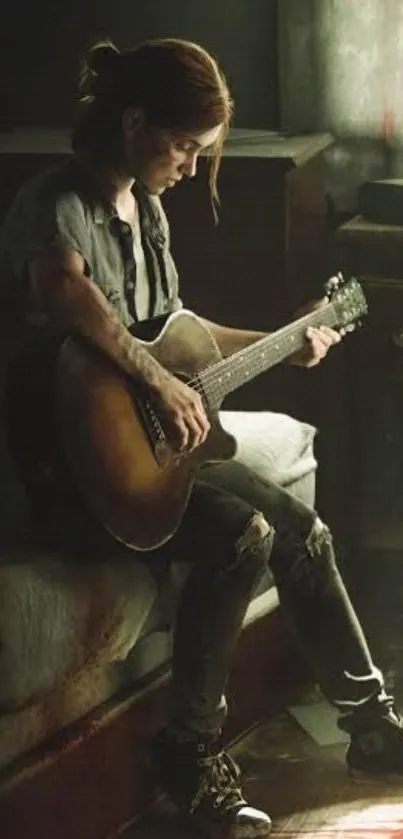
{"x":213,"y":830}
{"x":207,"y":831}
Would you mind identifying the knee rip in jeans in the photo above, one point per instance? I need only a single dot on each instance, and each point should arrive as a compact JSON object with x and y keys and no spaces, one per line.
{"x":258,"y":533}
{"x":318,"y":537}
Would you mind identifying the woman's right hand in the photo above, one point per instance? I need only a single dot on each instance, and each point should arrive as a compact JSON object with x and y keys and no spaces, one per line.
{"x":181,"y":411}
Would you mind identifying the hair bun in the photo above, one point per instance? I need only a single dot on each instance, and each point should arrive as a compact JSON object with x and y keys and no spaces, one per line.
{"x":98,"y":70}
{"x":102,"y":57}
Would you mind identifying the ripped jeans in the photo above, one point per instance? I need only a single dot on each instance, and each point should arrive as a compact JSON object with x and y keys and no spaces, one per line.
{"x":222,"y":539}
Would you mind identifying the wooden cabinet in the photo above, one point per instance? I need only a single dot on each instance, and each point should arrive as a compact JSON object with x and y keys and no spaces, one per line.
{"x":266,"y":256}
{"x":266,"y":253}
{"x":374,"y":384}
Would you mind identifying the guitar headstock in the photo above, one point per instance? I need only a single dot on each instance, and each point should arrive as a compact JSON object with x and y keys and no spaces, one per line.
{"x":348,"y":300}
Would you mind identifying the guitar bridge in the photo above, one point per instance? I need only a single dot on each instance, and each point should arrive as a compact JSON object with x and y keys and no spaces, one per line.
{"x":155,"y":431}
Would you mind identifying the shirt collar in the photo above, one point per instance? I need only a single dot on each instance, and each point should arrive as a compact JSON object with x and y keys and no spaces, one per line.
{"x":104,"y":210}
{"x":84,"y":182}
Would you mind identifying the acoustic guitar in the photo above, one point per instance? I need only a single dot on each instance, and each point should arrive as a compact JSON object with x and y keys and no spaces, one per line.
{"x":133,"y":479}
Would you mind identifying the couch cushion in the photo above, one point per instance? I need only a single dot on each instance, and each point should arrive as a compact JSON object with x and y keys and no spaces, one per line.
{"x":57,"y":619}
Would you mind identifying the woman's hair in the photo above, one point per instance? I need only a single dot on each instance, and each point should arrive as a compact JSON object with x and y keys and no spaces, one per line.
{"x":177,"y":83}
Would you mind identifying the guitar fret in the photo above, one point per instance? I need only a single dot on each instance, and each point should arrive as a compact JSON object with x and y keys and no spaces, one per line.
{"x":270,"y":350}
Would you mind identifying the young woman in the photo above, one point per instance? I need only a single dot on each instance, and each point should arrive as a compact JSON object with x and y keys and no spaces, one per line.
{"x":85,"y":252}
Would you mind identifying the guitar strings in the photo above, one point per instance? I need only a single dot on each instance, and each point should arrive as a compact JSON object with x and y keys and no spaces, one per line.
{"x":210,"y":375}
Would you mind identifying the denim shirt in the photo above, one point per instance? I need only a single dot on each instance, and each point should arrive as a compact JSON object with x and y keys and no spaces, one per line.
{"x":62,"y":205}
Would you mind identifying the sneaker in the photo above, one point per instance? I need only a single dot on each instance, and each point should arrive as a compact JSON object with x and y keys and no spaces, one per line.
{"x":377,"y":749}
{"x":203,"y":782}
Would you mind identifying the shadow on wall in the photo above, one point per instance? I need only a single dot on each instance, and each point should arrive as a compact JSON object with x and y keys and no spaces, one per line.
{"x":41,"y":48}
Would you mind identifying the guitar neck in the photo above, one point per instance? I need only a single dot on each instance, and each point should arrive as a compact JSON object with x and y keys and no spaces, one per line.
{"x":231,"y":373}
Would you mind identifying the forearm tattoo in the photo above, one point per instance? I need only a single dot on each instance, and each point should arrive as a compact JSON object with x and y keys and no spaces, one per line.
{"x":131,"y":354}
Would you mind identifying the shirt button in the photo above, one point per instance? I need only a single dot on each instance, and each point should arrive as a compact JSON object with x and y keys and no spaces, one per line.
{"x":130,"y":285}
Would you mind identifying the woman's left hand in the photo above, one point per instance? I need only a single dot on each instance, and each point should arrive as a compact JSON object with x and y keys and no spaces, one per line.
{"x":318,"y":339}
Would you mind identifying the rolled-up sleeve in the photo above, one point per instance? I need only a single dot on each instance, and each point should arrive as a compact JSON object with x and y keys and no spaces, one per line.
{"x":38,"y":221}
{"x":70,"y":227}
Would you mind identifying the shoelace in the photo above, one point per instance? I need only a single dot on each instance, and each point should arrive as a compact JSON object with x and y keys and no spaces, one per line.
{"x":219,"y":779}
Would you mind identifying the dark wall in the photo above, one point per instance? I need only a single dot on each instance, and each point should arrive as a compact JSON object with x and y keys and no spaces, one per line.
{"x":41,"y":43}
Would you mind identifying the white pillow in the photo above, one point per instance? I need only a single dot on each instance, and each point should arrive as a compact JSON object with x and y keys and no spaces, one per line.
{"x":276,"y":446}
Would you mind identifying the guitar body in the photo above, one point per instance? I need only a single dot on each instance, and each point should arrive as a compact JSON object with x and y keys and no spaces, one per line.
{"x":135,"y":483}
{"x":133,"y":480}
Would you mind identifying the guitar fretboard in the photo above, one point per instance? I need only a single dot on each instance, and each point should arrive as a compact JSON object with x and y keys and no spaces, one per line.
{"x":231,"y":373}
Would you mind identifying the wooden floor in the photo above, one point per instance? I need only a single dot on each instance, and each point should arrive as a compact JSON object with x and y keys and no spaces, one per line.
{"x":293,"y":762}
{"x":304,"y":787}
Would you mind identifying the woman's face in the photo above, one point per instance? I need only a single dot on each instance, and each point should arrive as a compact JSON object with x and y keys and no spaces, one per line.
{"x":159,"y":158}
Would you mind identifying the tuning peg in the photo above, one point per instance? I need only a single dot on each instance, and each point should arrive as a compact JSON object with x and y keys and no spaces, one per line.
{"x":349,"y":327}
{"x":331,"y":284}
